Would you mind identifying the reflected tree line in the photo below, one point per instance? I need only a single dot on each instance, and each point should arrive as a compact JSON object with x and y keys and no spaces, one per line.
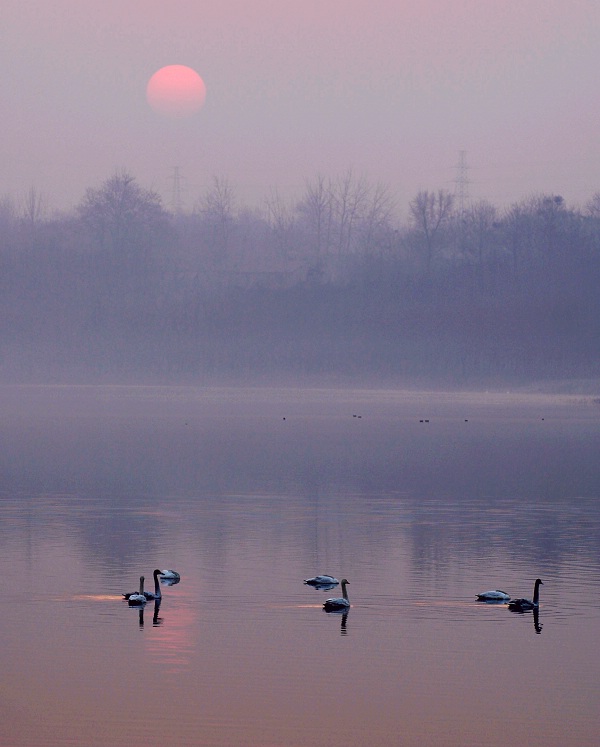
{"x":330,"y":284}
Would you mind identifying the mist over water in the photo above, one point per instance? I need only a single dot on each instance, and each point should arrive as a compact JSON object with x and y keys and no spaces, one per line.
{"x":421,"y":500}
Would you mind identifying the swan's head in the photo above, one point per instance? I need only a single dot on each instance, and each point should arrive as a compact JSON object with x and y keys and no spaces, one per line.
{"x":345,"y":581}
{"x":539,"y":582}
{"x":157,"y":572}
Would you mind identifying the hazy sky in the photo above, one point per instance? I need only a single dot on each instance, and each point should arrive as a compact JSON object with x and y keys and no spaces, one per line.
{"x":391,"y":88}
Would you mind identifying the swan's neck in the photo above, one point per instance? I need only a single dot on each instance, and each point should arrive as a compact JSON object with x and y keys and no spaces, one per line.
{"x":141,"y":584}
{"x":344,"y":592}
{"x":536,"y":593}
{"x":157,"y":592}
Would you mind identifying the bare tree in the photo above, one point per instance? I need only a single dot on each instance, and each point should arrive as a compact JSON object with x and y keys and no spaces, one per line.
{"x":592,"y":207}
{"x":123,"y":217}
{"x":217,"y":209}
{"x":7,"y":218}
{"x":349,"y":197}
{"x":34,"y":207}
{"x":282,"y":222}
{"x":126,"y":225}
{"x":430,"y":211}
{"x":550,"y":216}
{"x":316,"y":210}
{"x":377,"y":215}
{"x":534,"y":230}
{"x":479,"y":219}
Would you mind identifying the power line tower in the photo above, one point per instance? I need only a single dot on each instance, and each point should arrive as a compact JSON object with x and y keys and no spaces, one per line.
{"x":461,"y":189}
{"x":176,"y":193}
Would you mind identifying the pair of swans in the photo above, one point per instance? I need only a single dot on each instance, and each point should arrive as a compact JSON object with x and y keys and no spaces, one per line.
{"x":522,"y":604}
{"x":324,"y":582}
{"x":516,"y":605}
{"x":140,"y":597}
{"x":337,"y":604}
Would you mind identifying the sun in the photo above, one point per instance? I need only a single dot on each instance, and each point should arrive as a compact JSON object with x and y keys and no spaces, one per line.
{"x":176,"y":91}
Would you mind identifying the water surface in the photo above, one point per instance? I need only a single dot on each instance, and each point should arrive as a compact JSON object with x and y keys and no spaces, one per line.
{"x":419,"y":499}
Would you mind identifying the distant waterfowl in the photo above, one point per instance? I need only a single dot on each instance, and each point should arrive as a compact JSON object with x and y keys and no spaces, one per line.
{"x":338,"y":603}
{"x":323,"y":580}
{"x":156,"y":594}
{"x":525,"y":605}
{"x":170,"y":575}
{"x":494,"y":595}
{"x":136,"y":598}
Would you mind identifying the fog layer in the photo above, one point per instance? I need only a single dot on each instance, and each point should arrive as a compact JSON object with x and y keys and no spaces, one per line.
{"x":331,"y":287}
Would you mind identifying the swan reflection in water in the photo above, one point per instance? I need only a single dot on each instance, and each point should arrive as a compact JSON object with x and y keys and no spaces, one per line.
{"x":537,"y":625}
{"x":156,"y":620}
{"x":344,"y":621}
{"x":323,"y":587}
{"x":323,"y":582}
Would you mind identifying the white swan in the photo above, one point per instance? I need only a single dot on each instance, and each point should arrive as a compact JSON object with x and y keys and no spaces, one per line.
{"x":324,"y":580}
{"x":525,"y":605}
{"x":338,"y":603}
{"x":137,"y":598}
{"x":156,"y":594}
{"x":170,"y":575}
{"x":494,"y":595}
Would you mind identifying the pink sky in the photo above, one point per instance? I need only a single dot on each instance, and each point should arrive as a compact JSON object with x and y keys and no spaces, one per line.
{"x":390,"y":88}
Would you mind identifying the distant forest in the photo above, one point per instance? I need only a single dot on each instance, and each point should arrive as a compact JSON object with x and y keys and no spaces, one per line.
{"x":329,"y":288}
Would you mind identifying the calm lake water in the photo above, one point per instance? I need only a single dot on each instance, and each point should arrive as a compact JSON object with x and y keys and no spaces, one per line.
{"x":246,"y":492}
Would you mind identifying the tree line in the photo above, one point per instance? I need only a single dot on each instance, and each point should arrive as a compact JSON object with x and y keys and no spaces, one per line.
{"x":332,"y":284}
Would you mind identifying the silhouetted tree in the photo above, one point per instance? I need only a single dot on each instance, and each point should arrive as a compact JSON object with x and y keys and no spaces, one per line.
{"x":430,"y":212}
{"x":316,"y":214}
{"x":128,"y":228}
{"x":592,"y":206}
{"x":123,"y":218}
{"x":477,"y":232}
{"x":8,"y":221}
{"x":34,"y":207}
{"x":217,"y":211}
{"x":349,"y":195}
{"x":375,"y":222}
{"x":283,"y":224}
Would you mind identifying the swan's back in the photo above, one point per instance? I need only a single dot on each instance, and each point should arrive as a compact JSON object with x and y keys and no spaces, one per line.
{"x":324,"y":580}
{"x":170,"y":575}
{"x":494,"y":595}
{"x":521,"y":605}
{"x":338,"y":603}
{"x":135,"y":597}
{"x":524,"y":605}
